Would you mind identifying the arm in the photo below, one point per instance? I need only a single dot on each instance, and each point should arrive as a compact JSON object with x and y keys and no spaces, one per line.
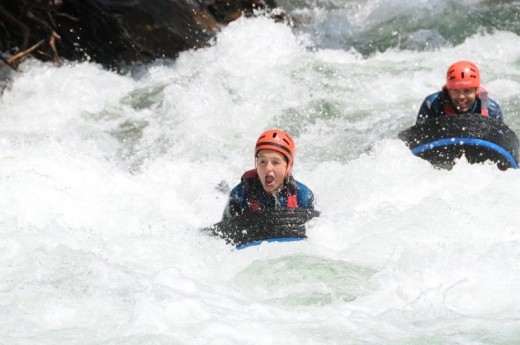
{"x":305,"y":196}
{"x":430,"y":107}
{"x":424,"y":112}
{"x":234,"y":206}
{"x":495,"y":111}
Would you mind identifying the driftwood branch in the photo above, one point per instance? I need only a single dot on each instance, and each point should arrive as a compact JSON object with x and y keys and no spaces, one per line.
{"x":14,"y":60}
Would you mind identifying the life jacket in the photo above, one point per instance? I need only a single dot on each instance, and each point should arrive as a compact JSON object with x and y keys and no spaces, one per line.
{"x":250,"y":178}
{"x":449,"y":109}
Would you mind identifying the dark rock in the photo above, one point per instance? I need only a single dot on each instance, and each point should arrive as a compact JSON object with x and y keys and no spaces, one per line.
{"x":113,"y":32}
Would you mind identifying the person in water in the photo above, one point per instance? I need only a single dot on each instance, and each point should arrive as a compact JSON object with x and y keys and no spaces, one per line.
{"x":270,"y":184}
{"x":462,"y":94}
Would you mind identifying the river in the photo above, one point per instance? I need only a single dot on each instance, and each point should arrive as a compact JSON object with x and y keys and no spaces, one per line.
{"x":106,"y":179}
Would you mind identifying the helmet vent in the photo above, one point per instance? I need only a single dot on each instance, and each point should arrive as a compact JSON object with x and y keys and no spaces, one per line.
{"x":463,"y":74}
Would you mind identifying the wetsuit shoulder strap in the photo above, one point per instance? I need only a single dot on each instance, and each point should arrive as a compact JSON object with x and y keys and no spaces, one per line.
{"x":447,"y":106}
{"x":249,"y":175}
{"x":292,"y":197}
{"x":484,"y":101}
{"x":249,"y":179}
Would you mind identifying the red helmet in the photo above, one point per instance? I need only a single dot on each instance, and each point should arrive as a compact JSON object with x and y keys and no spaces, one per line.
{"x":279,"y":141}
{"x":463,"y":75}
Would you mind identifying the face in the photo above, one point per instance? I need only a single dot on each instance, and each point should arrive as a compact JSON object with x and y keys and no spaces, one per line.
{"x":463,"y":99}
{"x":272,"y":168}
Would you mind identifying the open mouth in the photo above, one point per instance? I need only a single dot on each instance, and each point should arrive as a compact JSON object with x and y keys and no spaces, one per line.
{"x":462,"y":106}
{"x":269,"y":179}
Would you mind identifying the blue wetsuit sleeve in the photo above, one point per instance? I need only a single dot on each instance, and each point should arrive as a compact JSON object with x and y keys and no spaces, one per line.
{"x":424,"y":112}
{"x":495,"y":111}
{"x":235,"y":204}
{"x":305,"y":196}
{"x":430,"y":107}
